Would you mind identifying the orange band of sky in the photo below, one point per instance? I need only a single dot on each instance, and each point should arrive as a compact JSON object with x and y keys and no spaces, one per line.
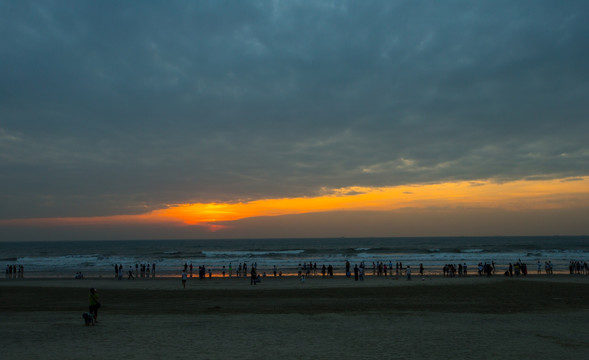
{"x":516,"y":195}
{"x":512,"y":195}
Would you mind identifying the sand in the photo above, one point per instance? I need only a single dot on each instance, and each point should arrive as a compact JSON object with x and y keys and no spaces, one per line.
{"x":460,"y":318}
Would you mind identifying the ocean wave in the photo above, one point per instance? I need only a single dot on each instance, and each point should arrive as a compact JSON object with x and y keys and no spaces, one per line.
{"x":250,"y":253}
{"x":471,"y":251}
{"x":175,"y":254}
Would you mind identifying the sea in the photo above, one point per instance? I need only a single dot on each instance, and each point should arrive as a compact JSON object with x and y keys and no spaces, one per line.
{"x":63,"y":259}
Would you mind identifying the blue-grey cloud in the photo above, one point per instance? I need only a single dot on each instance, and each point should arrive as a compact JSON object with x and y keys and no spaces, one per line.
{"x":118,"y":107}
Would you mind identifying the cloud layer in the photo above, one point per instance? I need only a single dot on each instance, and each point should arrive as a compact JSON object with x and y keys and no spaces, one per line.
{"x":119,"y":108}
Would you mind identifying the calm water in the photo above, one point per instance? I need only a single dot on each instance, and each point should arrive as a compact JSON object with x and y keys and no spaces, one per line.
{"x":96,"y":258}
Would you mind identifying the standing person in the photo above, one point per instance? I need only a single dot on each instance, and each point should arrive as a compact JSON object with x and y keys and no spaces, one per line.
{"x":408,"y":272}
{"x":184,"y":278}
{"x":94,"y":304}
{"x":348,"y":269}
{"x":253,"y":276}
{"x":539,"y":267}
{"x":421,"y":269}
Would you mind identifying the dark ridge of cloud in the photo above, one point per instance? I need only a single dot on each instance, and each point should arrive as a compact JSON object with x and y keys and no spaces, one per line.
{"x":572,"y":179}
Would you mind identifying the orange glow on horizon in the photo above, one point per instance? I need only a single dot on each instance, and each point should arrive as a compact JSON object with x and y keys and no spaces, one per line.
{"x":510,"y":196}
{"x":516,"y":195}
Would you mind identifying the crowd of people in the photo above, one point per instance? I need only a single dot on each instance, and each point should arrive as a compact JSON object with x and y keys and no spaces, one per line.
{"x":15,"y":271}
{"x":379,"y":269}
{"x":489,"y":269}
{"x":358,"y":271}
{"x":307,"y":269}
{"x":578,"y":267}
{"x":141,"y":270}
{"x":452,"y":270}
{"x":519,"y":268}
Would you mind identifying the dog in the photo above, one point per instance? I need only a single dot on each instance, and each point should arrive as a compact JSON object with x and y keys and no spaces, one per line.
{"x":88,"y":318}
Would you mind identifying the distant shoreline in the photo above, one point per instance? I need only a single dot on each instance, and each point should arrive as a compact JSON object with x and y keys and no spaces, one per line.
{"x":291,"y":279}
{"x":269,"y":275}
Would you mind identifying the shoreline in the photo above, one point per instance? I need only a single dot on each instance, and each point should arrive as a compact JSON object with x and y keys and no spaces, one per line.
{"x":290,"y":275}
{"x":284,"y":282}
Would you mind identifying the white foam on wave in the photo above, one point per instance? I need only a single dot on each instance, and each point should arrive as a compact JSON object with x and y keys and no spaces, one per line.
{"x":469,"y":251}
{"x":74,"y":262}
{"x":222,"y":254}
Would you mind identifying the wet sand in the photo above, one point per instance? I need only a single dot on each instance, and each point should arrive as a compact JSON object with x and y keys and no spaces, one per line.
{"x":486,"y":318}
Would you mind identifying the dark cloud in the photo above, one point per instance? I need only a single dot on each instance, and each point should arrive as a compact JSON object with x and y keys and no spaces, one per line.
{"x":117,"y":107}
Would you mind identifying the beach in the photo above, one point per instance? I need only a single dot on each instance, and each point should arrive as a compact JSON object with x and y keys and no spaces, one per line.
{"x":325,"y":318}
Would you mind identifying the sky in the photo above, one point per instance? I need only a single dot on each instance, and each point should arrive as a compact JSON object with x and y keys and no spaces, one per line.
{"x":284,"y":119}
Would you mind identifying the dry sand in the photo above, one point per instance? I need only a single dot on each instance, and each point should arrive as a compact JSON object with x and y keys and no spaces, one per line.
{"x":461,"y":318}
